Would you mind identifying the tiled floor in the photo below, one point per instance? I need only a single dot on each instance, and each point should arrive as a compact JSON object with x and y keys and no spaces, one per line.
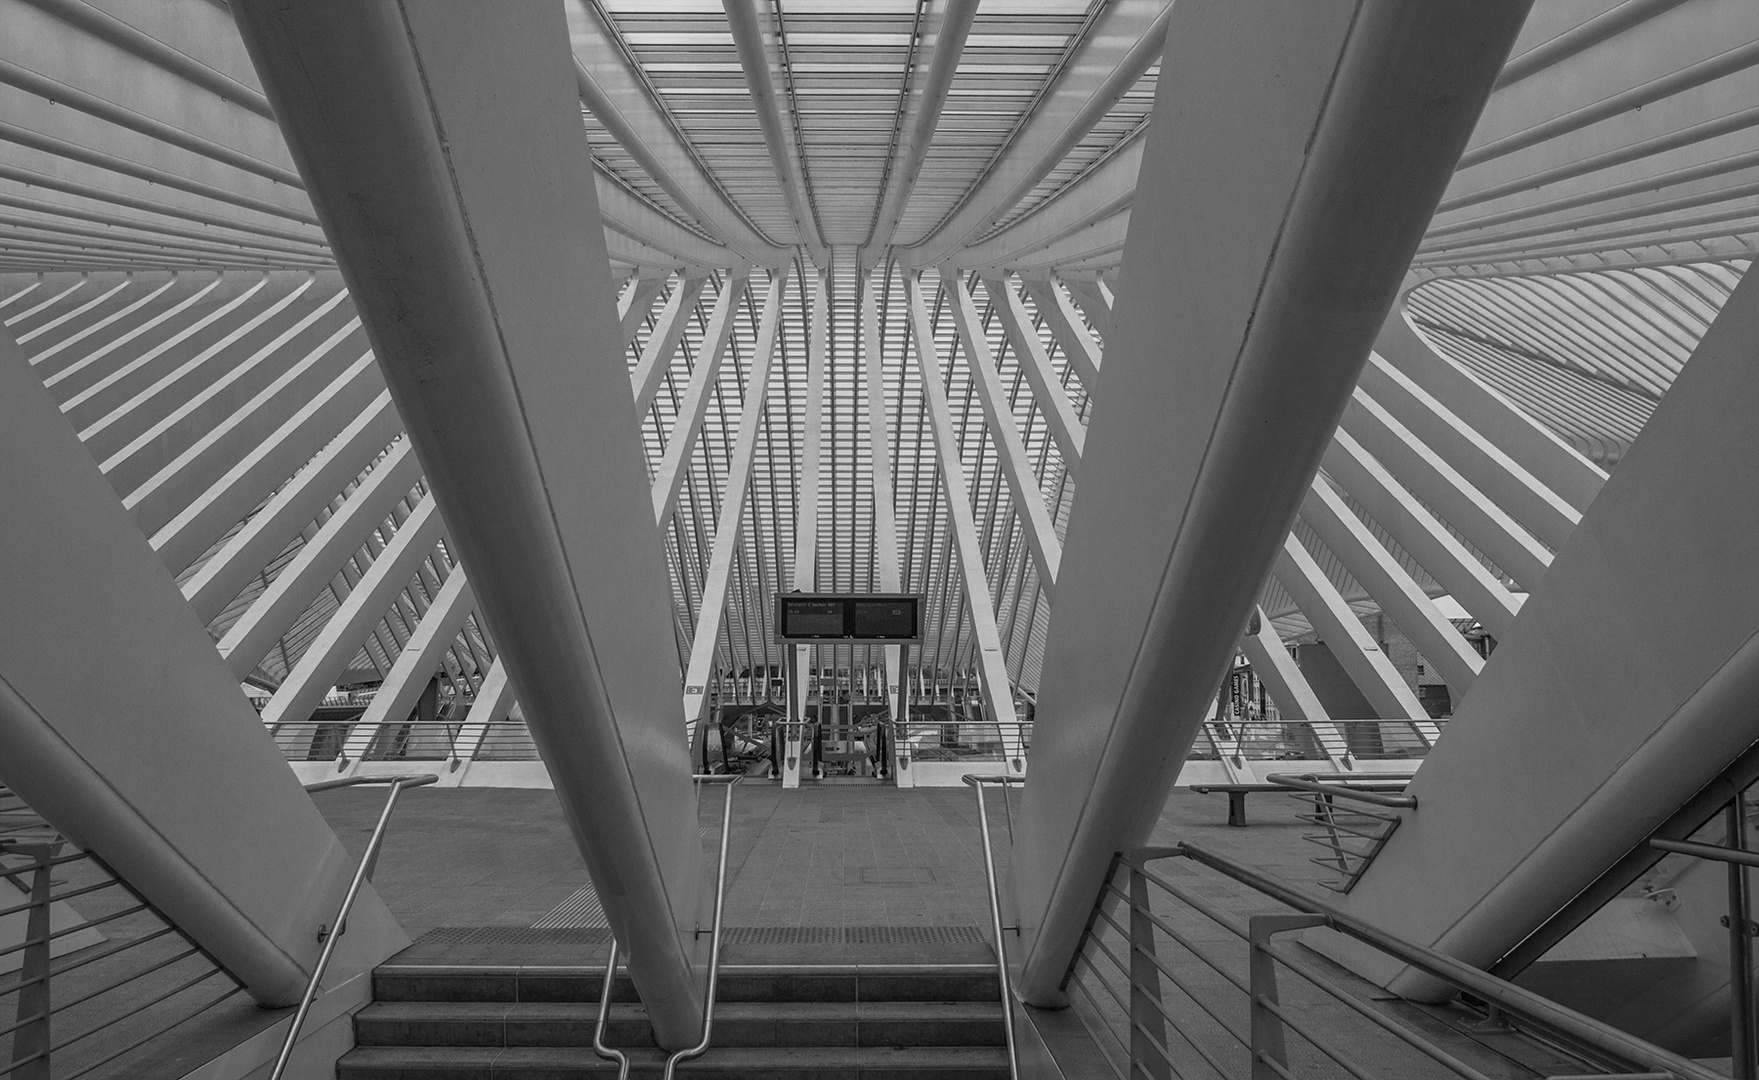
{"x":838,"y":855}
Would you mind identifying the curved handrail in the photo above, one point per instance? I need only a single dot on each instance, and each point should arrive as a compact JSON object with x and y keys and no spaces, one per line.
{"x":1342,"y":791}
{"x":976,"y":783}
{"x":714,"y":956}
{"x":1508,"y":997}
{"x":598,"y":1034}
{"x":361,"y":873}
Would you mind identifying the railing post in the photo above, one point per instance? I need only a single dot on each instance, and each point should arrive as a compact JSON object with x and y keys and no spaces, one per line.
{"x":1740,"y":948}
{"x":30,"y":1043}
{"x":1148,"y":1034}
{"x":1267,"y":1028}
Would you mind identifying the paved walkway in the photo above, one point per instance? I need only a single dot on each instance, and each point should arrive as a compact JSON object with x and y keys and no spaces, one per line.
{"x":830,"y":856}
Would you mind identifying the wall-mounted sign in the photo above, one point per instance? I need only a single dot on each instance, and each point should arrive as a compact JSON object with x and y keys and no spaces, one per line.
{"x":866,"y":617}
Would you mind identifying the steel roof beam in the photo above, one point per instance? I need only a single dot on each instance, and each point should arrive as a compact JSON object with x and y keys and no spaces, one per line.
{"x":747,"y":27}
{"x":1015,"y":465}
{"x":1054,"y":405}
{"x":925,"y":108}
{"x":675,"y":462}
{"x":998,"y":691}
{"x":1068,"y":328}
{"x":1123,"y":44}
{"x":479,"y":265}
{"x":713,"y":605}
{"x":619,"y":98}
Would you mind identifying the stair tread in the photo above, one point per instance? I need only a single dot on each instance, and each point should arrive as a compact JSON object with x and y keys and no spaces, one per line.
{"x":513,"y":1059}
{"x":726,"y":1010}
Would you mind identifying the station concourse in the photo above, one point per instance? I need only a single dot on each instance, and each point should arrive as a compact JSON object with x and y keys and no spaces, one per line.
{"x":974,"y":538}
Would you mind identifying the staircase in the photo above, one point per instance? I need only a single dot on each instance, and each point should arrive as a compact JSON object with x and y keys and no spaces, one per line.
{"x":797,"y":1021}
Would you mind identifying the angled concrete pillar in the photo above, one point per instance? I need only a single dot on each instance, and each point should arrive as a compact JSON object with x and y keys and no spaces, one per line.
{"x":886,"y":564}
{"x":444,"y":154}
{"x":1625,"y":685}
{"x":1295,"y":155}
{"x":992,"y":663}
{"x":124,"y":729}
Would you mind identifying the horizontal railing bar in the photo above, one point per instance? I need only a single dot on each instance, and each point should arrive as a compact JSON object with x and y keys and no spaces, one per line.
{"x":1093,"y":1003}
{"x":138,"y":1043}
{"x":143,"y":1007}
{"x":27,"y":905}
{"x":1706,"y":851}
{"x":1216,"y":915}
{"x":121,"y":946}
{"x":26,"y":1022}
{"x":1287,"y":956}
{"x":408,"y":780}
{"x":141,"y":974}
{"x":1191,"y":948}
{"x":1122,"y":1004}
{"x":1510,"y":998}
{"x":64,"y":931}
{"x":1274,"y":1065}
{"x":1343,"y":791}
{"x":1319,"y":1044}
{"x":59,"y":860}
{"x":14,"y":1064}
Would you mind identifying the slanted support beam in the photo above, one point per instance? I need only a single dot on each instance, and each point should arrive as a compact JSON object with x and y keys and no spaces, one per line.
{"x":992,"y":663}
{"x":675,"y":462}
{"x":1023,"y":485}
{"x":1053,"y":401}
{"x":422,"y":655}
{"x":747,"y":26}
{"x":726,"y":543}
{"x":1548,"y":458}
{"x":1294,"y":157}
{"x":1373,"y":566}
{"x":329,"y":653}
{"x":225,"y":575}
{"x":1071,"y":333}
{"x":886,"y":562}
{"x":462,"y":210}
{"x":126,"y":732}
{"x":634,"y":304}
{"x":662,"y":344}
{"x":317,"y":562}
{"x":1406,"y":520}
{"x":1289,"y":688}
{"x":1356,"y":650}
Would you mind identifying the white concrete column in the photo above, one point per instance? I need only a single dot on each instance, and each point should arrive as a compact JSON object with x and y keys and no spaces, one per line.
{"x":477,"y":260}
{"x":886,"y":561}
{"x":415,"y":665}
{"x":1294,"y":157}
{"x":1625,"y":685}
{"x":662,"y":344}
{"x":992,"y":663}
{"x":126,"y":732}
{"x":1071,"y":333}
{"x":675,"y":462}
{"x":1035,"y":363}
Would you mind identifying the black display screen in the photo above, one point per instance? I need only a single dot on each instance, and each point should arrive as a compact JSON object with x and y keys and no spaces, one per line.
{"x":848,"y":617}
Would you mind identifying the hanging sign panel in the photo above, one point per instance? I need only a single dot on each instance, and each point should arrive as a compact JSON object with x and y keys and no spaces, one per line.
{"x":865,"y":617}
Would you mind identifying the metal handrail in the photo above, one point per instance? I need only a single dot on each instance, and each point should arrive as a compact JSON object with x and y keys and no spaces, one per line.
{"x":1310,"y":782}
{"x":361,"y":874}
{"x":1716,"y":852}
{"x":714,"y":957}
{"x":1510,"y":999}
{"x":977,"y":783}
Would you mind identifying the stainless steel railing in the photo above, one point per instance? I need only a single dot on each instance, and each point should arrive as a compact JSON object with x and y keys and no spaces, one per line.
{"x":977,"y":784}
{"x":1164,"y":993}
{"x":117,"y":967}
{"x":1744,"y":1056}
{"x":332,"y":933}
{"x":714,"y":957}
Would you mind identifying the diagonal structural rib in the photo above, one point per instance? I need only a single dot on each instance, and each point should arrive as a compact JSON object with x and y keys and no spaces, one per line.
{"x":1294,"y":156}
{"x":463,"y":214}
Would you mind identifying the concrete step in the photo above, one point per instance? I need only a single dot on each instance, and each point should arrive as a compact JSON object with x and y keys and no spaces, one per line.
{"x":737,"y":1024}
{"x":796,"y":1063}
{"x":797,"y":983}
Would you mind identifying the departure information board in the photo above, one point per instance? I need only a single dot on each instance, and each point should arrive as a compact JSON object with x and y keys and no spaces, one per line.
{"x":882,"y":617}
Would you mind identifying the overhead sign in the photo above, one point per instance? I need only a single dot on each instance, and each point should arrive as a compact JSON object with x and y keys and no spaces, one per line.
{"x":865,"y":617}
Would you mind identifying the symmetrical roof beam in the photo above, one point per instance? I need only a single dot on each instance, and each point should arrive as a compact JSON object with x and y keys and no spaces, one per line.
{"x":1122,"y":45}
{"x":713,"y":605}
{"x":1035,"y":363}
{"x":998,"y":693}
{"x":675,"y":463}
{"x":747,"y":27}
{"x":927,"y":99}
{"x":620,"y":100}
{"x":1023,"y":483}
